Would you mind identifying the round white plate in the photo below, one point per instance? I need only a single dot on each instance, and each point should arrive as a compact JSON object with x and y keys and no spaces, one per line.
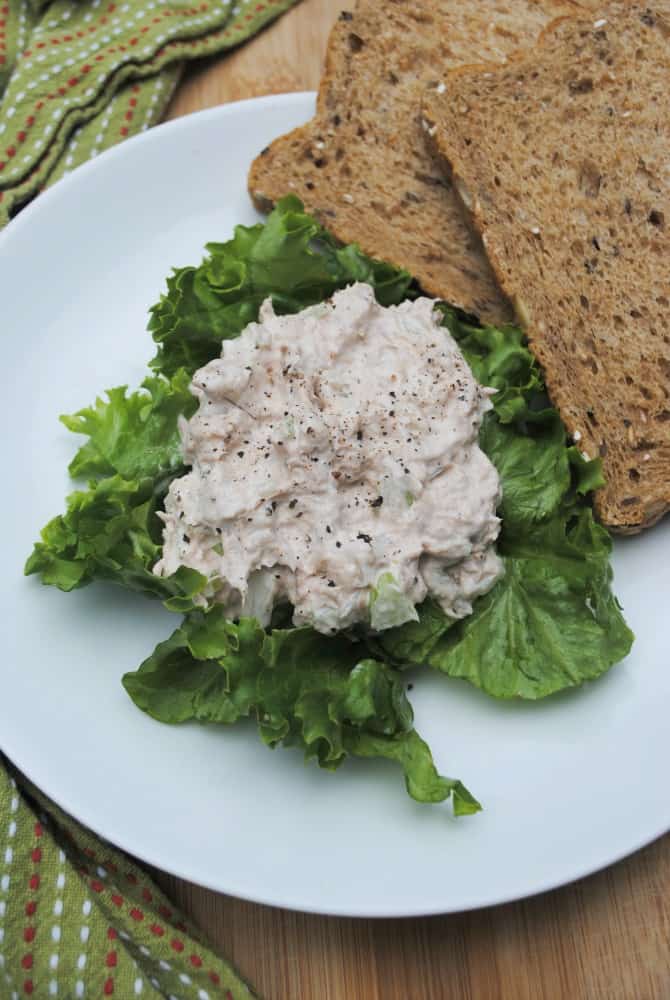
{"x":568,"y":785}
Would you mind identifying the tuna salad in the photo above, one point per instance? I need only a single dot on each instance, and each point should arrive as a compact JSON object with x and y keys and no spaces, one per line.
{"x":335,"y":465}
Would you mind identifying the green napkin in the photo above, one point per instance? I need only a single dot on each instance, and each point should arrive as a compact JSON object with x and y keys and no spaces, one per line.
{"x":80,"y":919}
{"x":78,"y":76}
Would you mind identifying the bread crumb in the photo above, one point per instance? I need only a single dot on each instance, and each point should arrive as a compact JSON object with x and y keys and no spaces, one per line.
{"x":319,"y":145}
{"x":577,"y":436}
{"x":441,"y":87}
{"x":643,"y":416}
{"x":348,"y":198}
{"x":600,"y":23}
{"x":586,"y":456}
{"x":535,"y":230}
{"x":646,"y":457}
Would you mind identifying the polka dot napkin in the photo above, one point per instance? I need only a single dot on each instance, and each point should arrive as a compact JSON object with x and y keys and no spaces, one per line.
{"x":80,"y":919}
{"x":78,"y":76}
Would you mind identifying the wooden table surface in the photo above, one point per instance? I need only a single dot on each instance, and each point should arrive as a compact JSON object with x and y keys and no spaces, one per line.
{"x":607,"y":936}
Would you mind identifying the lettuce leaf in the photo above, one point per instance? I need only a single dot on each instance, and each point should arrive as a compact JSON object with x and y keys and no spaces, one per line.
{"x":290,"y":258}
{"x":133,"y":435}
{"x":552,"y":621}
{"x":110,"y":532}
{"x":321,"y":695}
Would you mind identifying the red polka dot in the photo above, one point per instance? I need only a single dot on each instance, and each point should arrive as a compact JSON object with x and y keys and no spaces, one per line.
{"x":131,"y":878}
{"x":30,"y":908}
{"x":177,"y":945}
{"x":110,"y":959}
{"x":165,"y":911}
{"x":96,"y":886}
{"x":27,"y":961}
{"x":73,"y":81}
{"x":112,"y":934}
{"x":128,"y":116}
{"x":86,"y":68}
{"x":117,"y":900}
{"x":181,"y":926}
{"x":136,"y":914}
{"x":195,"y":960}
{"x":38,"y":830}
{"x":21,"y":137}
{"x":133,"y":103}
{"x":29,"y":934}
{"x":108,"y":988}
{"x":67,"y":38}
{"x":28,"y":986}
{"x":215,"y":978}
{"x":36,"y":854}
{"x":89,"y":853}
{"x":34,"y":882}
{"x":147,"y":895}
{"x":157,"y":930}
{"x":124,"y":130}
{"x":12,"y":152}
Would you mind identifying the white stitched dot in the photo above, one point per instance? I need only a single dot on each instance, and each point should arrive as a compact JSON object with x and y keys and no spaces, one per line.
{"x":83,"y":934}
{"x":2,"y":934}
{"x":203,"y":995}
{"x":81,"y":961}
{"x":139,"y":986}
{"x":53,"y":988}
{"x":186,"y":980}
{"x":60,"y":881}
{"x":55,"y":933}
{"x":144,"y":950}
{"x":9,"y":856}
{"x":14,"y":804}
{"x":165,"y":966}
{"x":79,"y":988}
{"x":58,"y":907}
{"x":3,"y":907}
{"x":53,"y":963}
{"x":4,"y":883}
{"x":11,"y":829}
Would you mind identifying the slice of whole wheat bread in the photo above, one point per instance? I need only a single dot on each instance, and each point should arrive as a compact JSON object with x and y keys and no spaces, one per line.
{"x":563,"y":159}
{"x":362,"y":165}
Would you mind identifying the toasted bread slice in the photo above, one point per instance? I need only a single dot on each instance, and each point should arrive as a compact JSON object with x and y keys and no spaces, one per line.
{"x":362,"y":165}
{"x":563,"y":159}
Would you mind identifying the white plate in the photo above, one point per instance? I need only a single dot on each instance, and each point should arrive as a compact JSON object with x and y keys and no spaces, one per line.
{"x":568,"y":785}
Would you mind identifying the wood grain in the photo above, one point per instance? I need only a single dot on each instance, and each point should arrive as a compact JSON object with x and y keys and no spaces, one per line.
{"x":604,"y":938}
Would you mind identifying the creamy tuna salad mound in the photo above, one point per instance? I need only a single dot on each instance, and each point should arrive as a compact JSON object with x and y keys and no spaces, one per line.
{"x":335,"y":466}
